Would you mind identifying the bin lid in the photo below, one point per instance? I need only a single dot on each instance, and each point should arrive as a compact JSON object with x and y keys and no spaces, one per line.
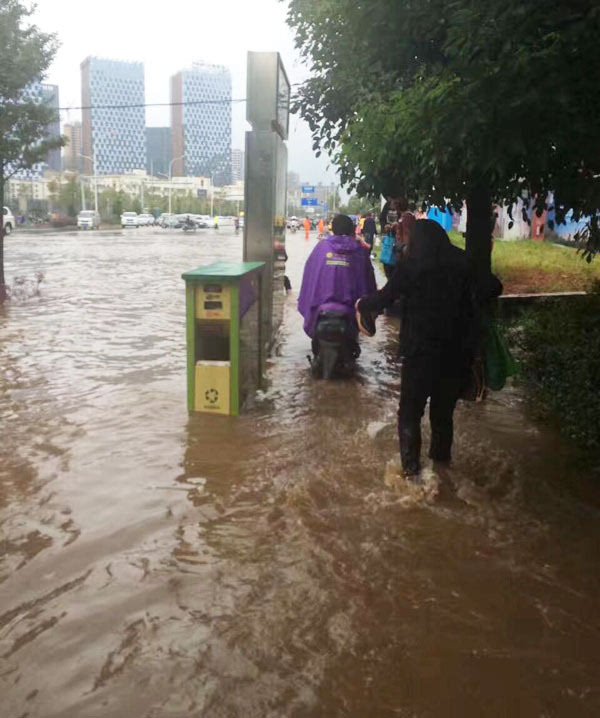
{"x":222,"y":270}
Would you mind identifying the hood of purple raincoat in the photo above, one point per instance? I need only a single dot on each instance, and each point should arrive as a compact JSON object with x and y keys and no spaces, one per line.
{"x":336,"y":274}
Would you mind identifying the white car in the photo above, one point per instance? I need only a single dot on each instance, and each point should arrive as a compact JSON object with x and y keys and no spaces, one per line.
{"x":129,"y":219}
{"x":163,"y":220}
{"x":9,"y":220}
{"x":145,"y":220}
{"x":88,"y":219}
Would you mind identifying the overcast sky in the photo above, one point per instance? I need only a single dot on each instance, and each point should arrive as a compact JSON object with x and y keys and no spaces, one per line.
{"x":168,"y":36}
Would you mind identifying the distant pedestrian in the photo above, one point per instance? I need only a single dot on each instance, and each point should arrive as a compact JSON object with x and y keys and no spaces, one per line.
{"x":306,"y":227}
{"x":369,"y":230}
{"x":321,"y":228}
{"x":383,"y":216}
{"x":390,"y":251}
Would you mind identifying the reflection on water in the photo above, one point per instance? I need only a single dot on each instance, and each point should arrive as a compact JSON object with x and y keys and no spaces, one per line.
{"x":159,"y":564}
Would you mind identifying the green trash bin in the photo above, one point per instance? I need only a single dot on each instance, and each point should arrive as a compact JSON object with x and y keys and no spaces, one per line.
{"x":223,"y":326}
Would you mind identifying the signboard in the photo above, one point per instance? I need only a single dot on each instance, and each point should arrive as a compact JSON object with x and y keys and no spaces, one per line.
{"x":201,"y":193}
{"x":283,"y":101}
{"x":268,"y":93}
{"x":308,"y":189}
{"x":309,"y":202}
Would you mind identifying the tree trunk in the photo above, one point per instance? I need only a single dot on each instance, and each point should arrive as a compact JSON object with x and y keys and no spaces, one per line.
{"x":3,"y":292}
{"x":480,"y":225}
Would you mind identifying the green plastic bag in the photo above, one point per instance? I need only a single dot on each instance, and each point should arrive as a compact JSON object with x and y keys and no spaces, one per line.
{"x":497,"y":360}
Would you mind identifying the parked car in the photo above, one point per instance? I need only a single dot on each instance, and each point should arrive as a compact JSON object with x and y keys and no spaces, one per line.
{"x":164,"y":219}
{"x":88,"y":219}
{"x":129,"y":219}
{"x":171,"y":221}
{"x":9,"y":220}
{"x":145,"y":220}
{"x":199,"y":221}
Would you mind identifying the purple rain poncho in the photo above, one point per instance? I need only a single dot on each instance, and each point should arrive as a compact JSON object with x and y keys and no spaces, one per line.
{"x":337,"y":273}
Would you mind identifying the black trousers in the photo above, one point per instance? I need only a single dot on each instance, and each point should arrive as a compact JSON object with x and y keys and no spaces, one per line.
{"x":389,"y":270}
{"x":368,"y":237}
{"x":427,"y":377}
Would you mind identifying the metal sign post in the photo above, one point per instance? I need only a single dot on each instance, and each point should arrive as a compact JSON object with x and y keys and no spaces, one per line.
{"x":267,"y":111}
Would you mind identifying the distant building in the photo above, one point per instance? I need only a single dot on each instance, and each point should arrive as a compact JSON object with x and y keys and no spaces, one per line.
{"x":50,"y":97}
{"x":159,"y":150}
{"x":237,"y":165}
{"x":48,"y":94}
{"x":293,"y":180}
{"x":72,"y":150}
{"x":114,"y":118}
{"x":201,"y":122}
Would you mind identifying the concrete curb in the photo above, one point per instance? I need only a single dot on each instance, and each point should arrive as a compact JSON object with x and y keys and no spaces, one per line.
{"x":510,"y":305}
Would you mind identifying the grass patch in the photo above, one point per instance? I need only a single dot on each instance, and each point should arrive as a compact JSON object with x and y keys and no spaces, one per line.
{"x":525,"y":266}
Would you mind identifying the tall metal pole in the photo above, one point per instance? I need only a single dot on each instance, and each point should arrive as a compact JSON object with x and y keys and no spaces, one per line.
{"x":171,"y":177}
{"x":95,"y":185}
{"x":82,"y":192}
{"x":93,"y":162}
{"x":212,"y":193}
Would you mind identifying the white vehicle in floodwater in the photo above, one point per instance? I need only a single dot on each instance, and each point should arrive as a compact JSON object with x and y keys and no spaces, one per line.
{"x":88,"y":219}
{"x":8,"y":220}
{"x":129,"y":219}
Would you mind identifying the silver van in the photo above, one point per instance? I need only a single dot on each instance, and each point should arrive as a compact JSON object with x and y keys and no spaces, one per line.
{"x":88,"y":219}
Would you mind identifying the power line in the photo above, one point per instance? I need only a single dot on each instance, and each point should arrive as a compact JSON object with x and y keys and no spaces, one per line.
{"x":151,"y":104}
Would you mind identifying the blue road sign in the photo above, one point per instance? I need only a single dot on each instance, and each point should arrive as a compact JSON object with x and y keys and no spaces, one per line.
{"x":309,"y":202}
{"x":308,"y":188}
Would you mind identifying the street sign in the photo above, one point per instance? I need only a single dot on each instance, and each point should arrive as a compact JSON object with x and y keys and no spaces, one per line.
{"x":309,"y":202}
{"x":308,"y":188}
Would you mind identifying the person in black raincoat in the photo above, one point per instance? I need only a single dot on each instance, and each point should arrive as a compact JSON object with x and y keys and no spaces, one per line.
{"x":438,"y":337}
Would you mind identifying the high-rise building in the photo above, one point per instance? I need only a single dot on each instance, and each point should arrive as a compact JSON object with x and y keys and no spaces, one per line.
{"x":72,"y":150}
{"x":201,"y":122}
{"x":237,"y":165}
{"x":159,"y":150}
{"x":114,"y":118}
{"x":48,"y":94}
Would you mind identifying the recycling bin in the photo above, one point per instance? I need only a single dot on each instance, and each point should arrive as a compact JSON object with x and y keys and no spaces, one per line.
{"x":223,"y":331}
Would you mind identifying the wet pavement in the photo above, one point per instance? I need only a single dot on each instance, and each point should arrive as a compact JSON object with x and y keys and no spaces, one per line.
{"x":159,"y":564}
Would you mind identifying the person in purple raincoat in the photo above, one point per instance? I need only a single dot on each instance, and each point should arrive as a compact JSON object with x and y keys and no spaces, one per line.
{"x":337,"y":272}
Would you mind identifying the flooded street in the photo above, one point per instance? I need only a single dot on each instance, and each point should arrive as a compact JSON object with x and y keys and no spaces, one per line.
{"x":157,"y":564}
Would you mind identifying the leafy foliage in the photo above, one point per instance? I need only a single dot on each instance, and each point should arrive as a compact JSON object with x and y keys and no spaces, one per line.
{"x":25,"y":55}
{"x":431,"y":98}
{"x":561,"y":358}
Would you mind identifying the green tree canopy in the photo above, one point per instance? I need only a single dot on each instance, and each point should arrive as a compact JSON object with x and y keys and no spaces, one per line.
{"x":445,"y":100}
{"x":25,"y":55}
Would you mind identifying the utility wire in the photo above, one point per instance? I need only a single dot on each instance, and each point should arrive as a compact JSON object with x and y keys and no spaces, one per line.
{"x":152,"y":104}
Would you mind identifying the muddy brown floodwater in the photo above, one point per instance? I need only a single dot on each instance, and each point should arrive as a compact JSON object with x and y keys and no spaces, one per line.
{"x":156,"y":564}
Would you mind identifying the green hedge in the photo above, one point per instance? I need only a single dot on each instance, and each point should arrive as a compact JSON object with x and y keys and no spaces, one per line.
{"x":560,"y":359}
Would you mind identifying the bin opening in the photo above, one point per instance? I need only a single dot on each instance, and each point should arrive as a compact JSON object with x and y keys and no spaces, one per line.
{"x":212,"y":340}
{"x":213,"y":305}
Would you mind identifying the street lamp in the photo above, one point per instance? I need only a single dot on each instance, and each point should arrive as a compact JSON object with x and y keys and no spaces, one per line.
{"x":171,"y":177}
{"x":93,"y":161}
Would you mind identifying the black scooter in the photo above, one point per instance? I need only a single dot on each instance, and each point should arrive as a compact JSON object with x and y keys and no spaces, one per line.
{"x":189,"y":225}
{"x":334,"y":345}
